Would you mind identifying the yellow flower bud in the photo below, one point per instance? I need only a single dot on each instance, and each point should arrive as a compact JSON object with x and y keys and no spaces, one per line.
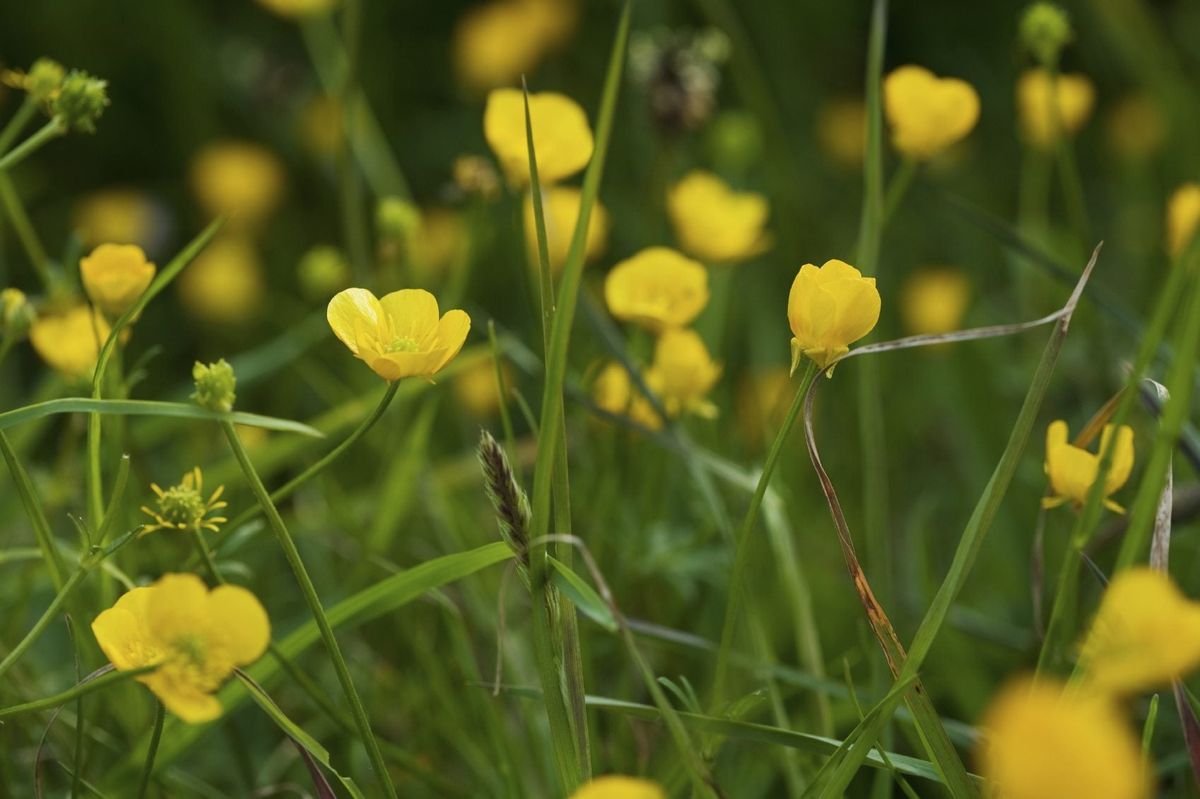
{"x":70,"y":341}
{"x":1183,"y":217}
{"x":561,"y":135}
{"x":658,"y":288}
{"x":1046,"y":30}
{"x":830,"y":308}
{"x":16,"y":313}
{"x":560,"y":207}
{"x":115,"y":275}
{"x":715,"y":223}
{"x":927,"y":114}
{"x":1073,"y":95}
{"x":934,"y":299}
{"x":1072,"y":470}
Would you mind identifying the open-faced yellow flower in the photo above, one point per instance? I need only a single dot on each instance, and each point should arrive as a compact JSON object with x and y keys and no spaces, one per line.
{"x":614,"y":786}
{"x":658,"y":288}
{"x":119,"y":216}
{"x":560,"y":207}
{"x":1040,"y":121}
{"x":1072,"y":469}
{"x":1183,"y":217}
{"x":927,"y":114}
{"x":225,"y":284}
{"x":683,"y":373}
{"x":1043,"y":743}
{"x":613,"y":391}
{"x":115,"y":275}
{"x":70,"y":341}
{"x":561,"y":135}
{"x":400,"y":334}
{"x":1145,"y":634}
{"x":196,"y":637}
{"x":715,"y":223}
{"x":934,"y":299}
{"x":830,"y":308}
{"x":242,"y":180}
{"x":497,"y":42}
{"x":842,"y":130}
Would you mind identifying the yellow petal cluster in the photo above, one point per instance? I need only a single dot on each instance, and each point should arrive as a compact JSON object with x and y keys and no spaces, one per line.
{"x":927,"y":114}
{"x":683,"y":373}
{"x":1072,"y":470}
{"x":934,"y":299}
{"x":1074,"y":96}
{"x":70,"y":341}
{"x":560,"y":208}
{"x":561,"y":135}
{"x":225,"y":285}
{"x":497,"y":42}
{"x":1183,"y":217}
{"x":115,"y":275}
{"x":715,"y":223}
{"x":120,"y":216}
{"x":400,"y":334}
{"x":241,"y":180}
{"x":194,"y":636}
{"x":658,"y":288}
{"x":614,"y":786}
{"x":829,"y":308}
{"x":613,"y":391}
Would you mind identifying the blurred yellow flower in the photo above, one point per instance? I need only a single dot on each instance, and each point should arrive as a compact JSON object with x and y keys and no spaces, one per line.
{"x":1136,"y":127}
{"x":1072,"y":470}
{"x":240,"y":179}
{"x":1145,"y":634}
{"x":70,"y":341}
{"x":560,"y":206}
{"x":321,"y":124}
{"x":658,"y":288}
{"x":683,"y":373}
{"x":715,"y":223}
{"x":115,"y":275}
{"x":561,"y":135}
{"x":295,"y":9}
{"x":614,"y":786}
{"x":475,"y":386}
{"x":842,"y":130}
{"x":196,"y":637}
{"x":400,"y":334}
{"x":16,"y":313}
{"x":1183,"y":217}
{"x":183,"y":506}
{"x":1042,"y":743}
{"x":497,"y":42}
{"x":762,"y":399}
{"x":439,"y":242}
{"x":225,"y":284}
{"x":1073,"y":95}
{"x":934,"y":299}
{"x":927,"y":114}
{"x":613,"y":391}
{"x":119,"y":216}
{"x":830,"y":308}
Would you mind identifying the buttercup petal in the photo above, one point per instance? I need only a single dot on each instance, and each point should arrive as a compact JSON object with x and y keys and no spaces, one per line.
{"x":452,"y":330}
{"x":241,"y":621}
{"x":561,"y":134}
{"x":858,"y":309}
{"x":410,"y":313}
{"x":122,"y":638}
{"x":194,"y":707}
{"x":349,"y":312}
{"x":179,"y":603}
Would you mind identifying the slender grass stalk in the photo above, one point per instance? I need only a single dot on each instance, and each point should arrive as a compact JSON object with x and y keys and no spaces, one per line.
{"x":155,"y":737}
{"x":510,"y":438}
{"x":17,"y":122}
{"x":37,"y":516}
{"x":26,"y":234}
{"x":82,"y":689}
{"x":51,"y":130}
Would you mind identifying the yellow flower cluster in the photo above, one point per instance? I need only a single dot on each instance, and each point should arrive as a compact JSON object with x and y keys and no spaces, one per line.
{"x":499,"y":41}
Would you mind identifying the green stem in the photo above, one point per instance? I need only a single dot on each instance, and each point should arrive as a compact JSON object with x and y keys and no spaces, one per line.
{"x":24,"y":229}
{"x":51,"y":130}
{"x":206,"y":557}
{"x":37,"y":516}
{"x":17,"y":123}
{"x":82,"y":689}
{"x":47,"y":617}
{"x":897,"y":187}
{"x":152,"y":752}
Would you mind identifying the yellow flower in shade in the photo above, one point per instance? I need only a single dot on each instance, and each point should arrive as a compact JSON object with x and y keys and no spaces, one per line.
{"x":927,"y":114}
{"x":1135,"y":126}
{"x":70,"y":341}
{"x":561,"y":135}
{"x":657,"y":288}
{"x":934,"y":299}
{"x":613,"y":391}
{"x":183,"y":506}
{"x":475,"y":387}
{"x":400,"y":334}
{"x":683,"y":373}
{"x":560,"y":206}
{"x":715,"y":223}
{"x":1183,"y":217}
{"x":1072,"y":469}
{"x":762,"y":402}
{"x":115,"y":275}
{"x":1145,"y":634}
{"x":194,"y":636}
{"x":1040,"y":742}
{"x":497,"y":42}
{"x":295,"y":9}
{"x":842,"y":130}
{"x":119,"y":216}
{"x":225,"y":284}
{"x":239,"y":179}
{"x":1073,"y":94}
{"x":830,"y":308}
{"x":613,"y":786}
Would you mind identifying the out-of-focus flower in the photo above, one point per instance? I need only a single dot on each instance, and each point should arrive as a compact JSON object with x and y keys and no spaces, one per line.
{"x":683,"y":373}
{"x":842,"y":130}
{"x":397,"y":218}
{"x":475,"y":387}
{"x":42,"y":82}
{"x":225,"y":284}
{"x":474,"y":175}
{"x":322,"y":270}
{"x":439,"y":242}
{"x":934,"y":299}
{"x":183,"y":506}
{"x":614,"y":786}
{"x":194,"y":636}
{"x":680,"y":73}
{"x":70,"y":341}
{"x":1043,"y":743}
{"x":658,"y":288}
{"x":115,"y":275}
{"x":1045,"y":30}
{"x":497,"y":42}
{"x":295,"y":9}
{"x":613,"y":391}
{"x":215,"y":385}
{"x":240,"y":179}
{"x":830,"y":308}
{"x":561,"y":135}
{"x":322,"y":125}
{"x":119,"y":216}
{"x":1072,"y":470}
{"x":715,"y":223}
{"x":80,"y":101}
{"x":927,"y":114}
{"x":400,"y":334}
{"x":1136,"y":127}
{"x":1183,"y":217}
{"x":16,"y":313}
{"x":1073,"y":95}
{"x":762,"y":399}
{"x":735,"y":140}
{"x":560,"y":208}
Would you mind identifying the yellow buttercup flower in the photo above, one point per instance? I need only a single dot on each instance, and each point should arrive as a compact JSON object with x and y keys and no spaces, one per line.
{"x":242,"y":180}
{"x":1040,"y":742}
{"x":1072,"y":470}
{"x":115,"y":275}
{"x":614,"y":786}
{"x":658,"y":288}
{"x":295,"y":9}
{"x":1145,"y":634}
{"x":683,"y":373}
{"x":119,"y":216}
{"x":194,"y":636}
{"x":927,"y":114}
{"x":715,"y":223}
{"x":225,"y":284}
{"x":70,"y":341}
{"x":561,"y":135}
{"x":842,"y":130}
{"x":613,"y":391}
{"x":400,"y":334}
{"x":1073,"y":95}
{"x":183,"y":506}
{"x":475,"y":386}
{"x":560,"y":207}
{"x":1183,"y":217}
{"x":934,"y":299}
{"x":497,"y":42}
{"x":830,"y":308}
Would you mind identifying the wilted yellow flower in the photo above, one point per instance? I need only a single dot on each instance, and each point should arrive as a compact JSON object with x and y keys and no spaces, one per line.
{"x":183,"y":506}
{"x":927,"y":114}
{"x":762,"y":402}
{"x":242,"y":180}
{"x":1073,"y":94}
{"x":295,"y":9}
{"x":497,"y":42}
{"x":475,"y":387}
{"x":1183,"y":217}
{"x":561,"y":135}
{"x":1072,"y":470}
{"x":1042,"y":743}
{"x":119,"y":216}
{"x":225,"y":284}
{"x":115,"y":275}
{"x":196,"y":637}
{"x":715,"y":223}
{"x":439,"y":242}
{"x":830,"y":308}
{"x":613,"y":786}
{"x":683,"y":373}
{"x":934,"y":299}
{"x":1135,"y":125}
{"x":657,"y":288}
{"x":560,"y":207}
{"x":70,"y":341}
{"x":613,"y":391}
{"x":400,"y":334}
{"x":842,"y":130}
{"x":1145,"y":634}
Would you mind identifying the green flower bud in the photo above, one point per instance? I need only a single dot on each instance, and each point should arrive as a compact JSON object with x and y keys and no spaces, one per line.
{"x":215,"y":385}
{"x":1046,"y":30}
{"x":16,"y":313}
{"x":397,"y":219}
{"x":44,"y":79}
{"x":323,"y":271}
{"x":735,"y":140}
{"x":80,"y":101}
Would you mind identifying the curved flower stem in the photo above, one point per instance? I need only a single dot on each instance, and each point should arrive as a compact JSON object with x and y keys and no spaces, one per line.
{"x":76,"y":691}
{"x":314,"y":604}
{"x":17,"y":123}
{"x":155,"y":736}
{"x":26,"y":234}
{"x":51,"y":130}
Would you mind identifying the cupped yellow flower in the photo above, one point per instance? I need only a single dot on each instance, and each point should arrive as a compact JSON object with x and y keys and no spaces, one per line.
{"x":829,"y":308}
{"x":400,"y":334}
{"x":658,"y":288}
{"x":119,"y":216}
{"x":615,"y":786}
{"x":296,"y":9}
{"x":683,"y":373}
{"x":561,"y":135}
{"x":240,"y":179}
{"x":1040,"y":742}
{"x":1183,"y":217}
{"x":1073,"y":95}
{"x":497,"y":42}
{"x":115,"y":275}
{"x":927,"y":114}
{"x":842,"y":130}
{"x":715,"y":223}
{"x":560,"y":207}
{"x":1145,"y":634}
{"x":1072,"y":470}
{"x":70,"y":341}
{"x":613,"y":391}
{"x":934,"y":299}
{"x":194,"y":636}
{"x":225,"y":284}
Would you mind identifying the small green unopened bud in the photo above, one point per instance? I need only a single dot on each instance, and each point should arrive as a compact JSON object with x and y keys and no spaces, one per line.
{"x":323,"y":270}
{"x":215,"y":385}
{"x":16,"y":313}
{"x":1046,"y":30}
{"x":397,"y":219}
{"x":81,"y":101}
{"x":44,"y":79}
{"x":735,"y":140}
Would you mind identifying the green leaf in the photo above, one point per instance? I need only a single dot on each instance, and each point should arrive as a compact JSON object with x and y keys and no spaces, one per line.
{"x":583,"y":595}
{"x":149,"y":408}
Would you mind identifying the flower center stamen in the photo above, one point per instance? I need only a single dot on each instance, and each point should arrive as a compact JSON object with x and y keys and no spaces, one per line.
{"x":403,"y":344}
